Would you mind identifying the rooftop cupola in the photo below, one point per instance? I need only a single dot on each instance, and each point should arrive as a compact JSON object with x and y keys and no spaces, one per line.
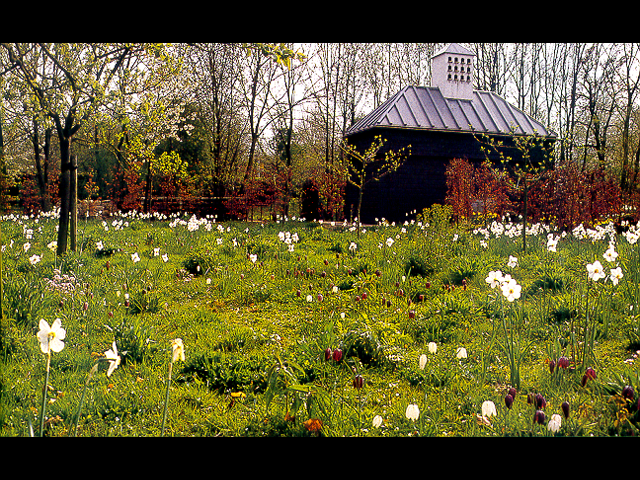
{"x":452,"y":71}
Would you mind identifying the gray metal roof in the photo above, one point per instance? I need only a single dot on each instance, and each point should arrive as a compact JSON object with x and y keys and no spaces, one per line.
{"x":425,"y":108}
{"x":454,"y":48}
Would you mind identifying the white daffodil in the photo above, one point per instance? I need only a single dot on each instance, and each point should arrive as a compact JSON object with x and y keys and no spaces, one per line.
{"x":494,"y":278}
{"x":178,"y":349}
{"x":596,"y":272}
{"x":389,"y":241}
{"x":135,"y":258}
{"x":33,"y":259}
{"x":511,"y":290}
{"x":412,"y":412}
{"x":513,"y":262}
{"x":610,"y":255}
{"x":616,"y":275}
{"x":114,"y":359}
{"x":51,"y":337}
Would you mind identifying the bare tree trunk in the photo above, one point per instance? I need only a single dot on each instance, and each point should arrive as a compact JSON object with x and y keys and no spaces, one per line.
{"x":73,"y":203}
{"x":148,"y":188}
{"x":65,"y":193}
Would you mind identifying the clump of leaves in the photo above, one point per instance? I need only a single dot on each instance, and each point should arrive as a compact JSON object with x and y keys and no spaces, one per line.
{"x":363,"y":343}
{"x":240,"y":338}
{"x":336,"y":248}
{"x":463,"y":270}
{"x":418,"y":267}
{"x":223,"y":371}
{"x":144,"y":301}
{"x":24,"y":300}
{"x":198,"y":263}
{"x":550,"y":278}
{"x":133,"y":337}
{"x":106,"y":252}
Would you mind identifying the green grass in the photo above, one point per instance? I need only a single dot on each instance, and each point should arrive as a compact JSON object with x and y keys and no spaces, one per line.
{"x":255,"y":332}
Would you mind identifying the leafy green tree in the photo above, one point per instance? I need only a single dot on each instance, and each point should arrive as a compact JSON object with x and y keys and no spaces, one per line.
{"x":70,"y":83}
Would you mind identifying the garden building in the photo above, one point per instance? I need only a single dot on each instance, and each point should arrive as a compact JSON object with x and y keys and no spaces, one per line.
{"x":449,"y":119}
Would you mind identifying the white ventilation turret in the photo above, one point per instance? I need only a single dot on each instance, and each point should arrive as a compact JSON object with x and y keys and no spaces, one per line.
{"x":452,"y":71}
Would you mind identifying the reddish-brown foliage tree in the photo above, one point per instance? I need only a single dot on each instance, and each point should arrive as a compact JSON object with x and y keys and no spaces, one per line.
{"x":460,"y":188}
{"x":565,"y":196}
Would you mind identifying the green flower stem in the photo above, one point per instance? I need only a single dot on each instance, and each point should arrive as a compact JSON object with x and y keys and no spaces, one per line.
{"x":84,"y":391}
{"x":1,"y":284}
{"x":44,"y":394}
{"x":589,"y":331}
{"x":166,"y":398}
{"x":510,"y":345}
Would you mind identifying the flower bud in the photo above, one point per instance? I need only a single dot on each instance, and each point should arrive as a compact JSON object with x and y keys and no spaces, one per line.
{"x":540,"y":402}
{"x":508,"y":401}
{"x":565,"y":409}
{"x":328,"y":354}
{"x":552,"y":365}
{"x":337,"y":355}
{"x":591,"y":373}
{"x":358,"y":382}
{"x":377,"y":421}
{"x":512,"y":392}
{"x":412,"y":412}
{"x":539,"y":417}
{"x":422,"y":362}
{"x":627,"y":392}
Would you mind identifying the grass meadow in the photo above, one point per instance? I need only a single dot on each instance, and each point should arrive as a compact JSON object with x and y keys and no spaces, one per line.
{"x":184,"y":326}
